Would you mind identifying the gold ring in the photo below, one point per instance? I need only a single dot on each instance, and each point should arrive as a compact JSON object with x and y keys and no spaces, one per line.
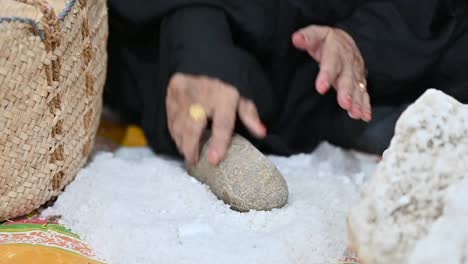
{"x":197,"y":112}
{"x":362,"y":87}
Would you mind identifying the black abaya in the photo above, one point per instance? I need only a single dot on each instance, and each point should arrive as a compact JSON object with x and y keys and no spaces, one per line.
{"x":407,"y":47}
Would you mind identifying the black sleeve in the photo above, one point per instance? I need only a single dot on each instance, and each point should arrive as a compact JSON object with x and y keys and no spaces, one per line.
{"x":144,"y":11}
{"x":198,"y":40}
{"x":325,"y":12}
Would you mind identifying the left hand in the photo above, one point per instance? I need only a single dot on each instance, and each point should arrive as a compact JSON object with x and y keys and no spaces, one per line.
{"x":341,"y":66}
{"x":217,"y":101}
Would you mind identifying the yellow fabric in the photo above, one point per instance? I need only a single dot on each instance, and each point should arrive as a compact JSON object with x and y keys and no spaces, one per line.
{"x":23,"y":253}
{"x":128,"y":136}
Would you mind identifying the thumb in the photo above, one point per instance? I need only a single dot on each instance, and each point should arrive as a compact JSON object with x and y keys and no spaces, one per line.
{"x":311,"y":39}
{"x":248,"y":114}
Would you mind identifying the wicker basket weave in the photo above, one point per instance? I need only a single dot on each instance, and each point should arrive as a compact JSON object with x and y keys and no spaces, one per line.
{"x":52,"y":72}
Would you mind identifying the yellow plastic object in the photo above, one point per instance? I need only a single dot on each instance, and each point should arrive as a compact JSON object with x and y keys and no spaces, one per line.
{"x":40,"y":242}
{"x":134,"y":137}
{"x":128,"y":136}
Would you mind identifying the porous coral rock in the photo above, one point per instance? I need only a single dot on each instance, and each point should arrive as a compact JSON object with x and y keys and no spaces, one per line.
{"x":406,"y":196}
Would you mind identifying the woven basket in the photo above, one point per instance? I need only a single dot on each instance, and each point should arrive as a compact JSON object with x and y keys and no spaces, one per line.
{"x":52,"y":72}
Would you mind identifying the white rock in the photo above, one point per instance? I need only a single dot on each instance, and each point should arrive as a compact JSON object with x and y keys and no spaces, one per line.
{"x":406,"y":196}
{"x":447,"y":241}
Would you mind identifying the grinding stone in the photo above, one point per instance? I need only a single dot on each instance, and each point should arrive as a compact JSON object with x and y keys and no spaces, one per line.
{"x":246,"y":180}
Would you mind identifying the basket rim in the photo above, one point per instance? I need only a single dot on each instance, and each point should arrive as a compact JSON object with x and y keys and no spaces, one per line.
{"x":34,"y":23}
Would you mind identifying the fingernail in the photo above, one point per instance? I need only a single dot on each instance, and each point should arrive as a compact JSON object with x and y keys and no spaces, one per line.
{"x":299,"y":37}
{"x":303,"y":36}
{"x":213,"y":157}
{"x":357,"y":110}
{"x":347,"y":102}
{"x":323,"y":86}
{"x":264,"y":128}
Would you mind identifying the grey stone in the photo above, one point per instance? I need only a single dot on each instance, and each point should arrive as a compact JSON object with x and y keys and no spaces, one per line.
{"x":246,"y":180}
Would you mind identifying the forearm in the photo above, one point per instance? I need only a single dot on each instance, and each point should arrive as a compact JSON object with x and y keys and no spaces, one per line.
{"x":198,"y":40}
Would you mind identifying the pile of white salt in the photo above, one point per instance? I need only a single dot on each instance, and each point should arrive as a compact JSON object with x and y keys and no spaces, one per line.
{"x":135,"y":207}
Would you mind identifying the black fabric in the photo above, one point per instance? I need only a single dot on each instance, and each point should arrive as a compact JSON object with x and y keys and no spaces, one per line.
{"x":401,"y":41}
{"x":408,"y":47}
{"x":326,"y":12}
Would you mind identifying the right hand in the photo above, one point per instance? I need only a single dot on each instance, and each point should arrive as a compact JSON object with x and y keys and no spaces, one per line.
{"x":221,"y":103}
{"x":341,"y":66}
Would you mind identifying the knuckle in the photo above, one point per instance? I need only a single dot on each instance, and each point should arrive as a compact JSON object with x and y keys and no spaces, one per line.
{"x":175,"y":91}
{"x":348,"y":75}
{"x":346,"y":85}
{"x":176,"y":80}
{"x":330,"y":71}
{"x":189,"y":144}
{"x":307,"y":30}
{"x":231,"y":93}
{"x":177,"y":128}
{"x":204,"y":84}
{"x":348,"y":49}
{"x":250,"y":106}
{"x":222,"y":138}
{"x":325,"y":69}
{"x":344,"y":88}
{"x":193,"y":128}
{"x":224,"y":124}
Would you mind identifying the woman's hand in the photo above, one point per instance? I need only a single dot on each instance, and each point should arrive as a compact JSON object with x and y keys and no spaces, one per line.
{"x":192,"y":100}
{"x":341,"y":66}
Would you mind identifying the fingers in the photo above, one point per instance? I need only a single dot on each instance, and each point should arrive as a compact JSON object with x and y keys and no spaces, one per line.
{"x":249,"y":116}
{"x":193,"y":100}
{"x":223,"y":125}
{"x":330,"y":68}
{"x":183,"y":91}
{"x":356,"y":108}
{"x":341,"y":66}
{"x":345,"y":88}
{"x":172,"y":110}
{"x":361,"y":108}
{"x":175,"y":129}
{"x":361,"y":75}
{"x":367,"y":112}
{"x":192,"y":133}
{"x":186,"y":133}
{"x":299,"y":41}
{"x":352,"y":93}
